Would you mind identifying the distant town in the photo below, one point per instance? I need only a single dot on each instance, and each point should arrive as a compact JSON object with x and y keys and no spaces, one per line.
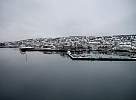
{"x":78,"y":43}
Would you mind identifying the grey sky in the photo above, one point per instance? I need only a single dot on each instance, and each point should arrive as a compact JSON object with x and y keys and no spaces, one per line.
{"x":21,"y":19}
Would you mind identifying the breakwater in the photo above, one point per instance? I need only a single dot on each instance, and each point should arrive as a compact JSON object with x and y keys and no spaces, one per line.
{"x":73,"y":57}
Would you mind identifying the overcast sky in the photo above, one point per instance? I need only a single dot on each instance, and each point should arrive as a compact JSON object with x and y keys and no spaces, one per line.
{"x":21,"y":19}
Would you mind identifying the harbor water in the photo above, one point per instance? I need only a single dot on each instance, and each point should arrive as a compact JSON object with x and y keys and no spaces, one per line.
{"x":44,"y":76}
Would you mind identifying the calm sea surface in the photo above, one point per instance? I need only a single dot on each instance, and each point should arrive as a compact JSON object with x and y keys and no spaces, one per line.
{"x":41,"y":76}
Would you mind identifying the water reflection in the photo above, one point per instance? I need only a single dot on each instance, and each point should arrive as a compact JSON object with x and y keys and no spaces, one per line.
{"x":51,"y":76}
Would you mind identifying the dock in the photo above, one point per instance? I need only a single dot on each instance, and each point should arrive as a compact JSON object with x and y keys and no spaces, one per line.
{"x":73,"y":57}
{"x":99,"y":58}
{"x":40,"y":49}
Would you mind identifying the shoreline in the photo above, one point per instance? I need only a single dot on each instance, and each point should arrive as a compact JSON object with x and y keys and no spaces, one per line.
{"x":78,"y":58}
